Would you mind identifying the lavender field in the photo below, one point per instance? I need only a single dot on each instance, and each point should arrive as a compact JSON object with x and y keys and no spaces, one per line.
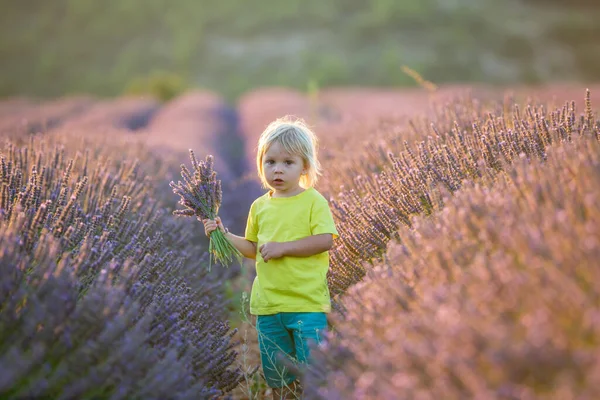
{"x":467,"y":264}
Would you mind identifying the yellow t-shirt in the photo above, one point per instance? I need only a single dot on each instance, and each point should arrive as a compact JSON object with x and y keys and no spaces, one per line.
{"x":290,"y":284}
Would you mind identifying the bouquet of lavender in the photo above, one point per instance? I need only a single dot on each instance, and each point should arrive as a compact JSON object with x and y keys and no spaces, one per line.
{"x":201,"y":195}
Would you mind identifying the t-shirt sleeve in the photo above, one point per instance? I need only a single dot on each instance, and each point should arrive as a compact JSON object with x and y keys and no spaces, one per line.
{"x":321,"y":219}
{"x":251,"y":233}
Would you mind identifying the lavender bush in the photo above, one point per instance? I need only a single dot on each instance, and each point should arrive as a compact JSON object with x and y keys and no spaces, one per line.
{"x":32,"y":117}
{"x":99,"y":297}
{"x":495,"y":296}
{"x":488,"y":289}
{"x":466,"y":141}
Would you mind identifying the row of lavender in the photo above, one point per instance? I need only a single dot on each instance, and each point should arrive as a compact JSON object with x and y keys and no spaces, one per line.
{"x":468,"y":263}
{"x":467,"y":140}
{"x":104,"y":292}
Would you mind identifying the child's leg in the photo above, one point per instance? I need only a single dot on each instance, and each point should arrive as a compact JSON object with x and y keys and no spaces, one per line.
{"x":275,"y":342}
{"x":307,"y":329}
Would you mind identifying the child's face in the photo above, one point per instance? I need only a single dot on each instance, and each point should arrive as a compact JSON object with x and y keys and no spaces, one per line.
{"x":283,"y":170}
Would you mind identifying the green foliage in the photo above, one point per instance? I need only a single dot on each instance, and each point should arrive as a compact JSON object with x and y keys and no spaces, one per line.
{"x":162,"y":85}
{"x":65,"y":46}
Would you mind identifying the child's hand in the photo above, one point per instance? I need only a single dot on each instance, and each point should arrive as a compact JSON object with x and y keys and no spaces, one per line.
{"x":211,"y":225}
{"x":272,"y":250}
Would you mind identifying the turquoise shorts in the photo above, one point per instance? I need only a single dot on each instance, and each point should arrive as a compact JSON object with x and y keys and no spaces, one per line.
{"x":287,"y":335}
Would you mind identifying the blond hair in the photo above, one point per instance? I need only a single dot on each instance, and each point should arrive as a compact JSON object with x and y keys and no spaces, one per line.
{"x":297,"y":139}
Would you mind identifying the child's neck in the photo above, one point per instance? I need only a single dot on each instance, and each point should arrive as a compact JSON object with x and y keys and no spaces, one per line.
{"x":296,"y":191}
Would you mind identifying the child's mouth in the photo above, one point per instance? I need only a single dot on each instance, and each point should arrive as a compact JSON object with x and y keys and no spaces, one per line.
{"x":277,"y":180}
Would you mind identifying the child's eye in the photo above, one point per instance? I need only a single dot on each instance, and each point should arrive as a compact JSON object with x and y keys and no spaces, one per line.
{"x":269,"y":162}
{"x":288,"y":162}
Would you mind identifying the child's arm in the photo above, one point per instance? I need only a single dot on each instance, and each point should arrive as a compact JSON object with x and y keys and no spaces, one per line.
{"x":304,"y":247}
{"x":246,"y":247}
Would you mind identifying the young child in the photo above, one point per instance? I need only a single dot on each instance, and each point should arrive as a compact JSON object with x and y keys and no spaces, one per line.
{"x":289,"y":232}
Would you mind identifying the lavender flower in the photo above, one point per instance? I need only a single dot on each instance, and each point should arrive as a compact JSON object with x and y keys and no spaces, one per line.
{"x":201,"y":194}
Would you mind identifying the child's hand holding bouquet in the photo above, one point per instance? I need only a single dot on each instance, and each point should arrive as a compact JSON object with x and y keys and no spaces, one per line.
{"x":212,"y":225}
{"x":201,"y":194}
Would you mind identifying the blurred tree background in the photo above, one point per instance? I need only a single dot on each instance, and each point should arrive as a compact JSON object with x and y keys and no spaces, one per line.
{"x":52,"y":48}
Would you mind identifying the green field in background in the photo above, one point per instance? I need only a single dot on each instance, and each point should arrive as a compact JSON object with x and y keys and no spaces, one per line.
{"x":51,"y":48}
